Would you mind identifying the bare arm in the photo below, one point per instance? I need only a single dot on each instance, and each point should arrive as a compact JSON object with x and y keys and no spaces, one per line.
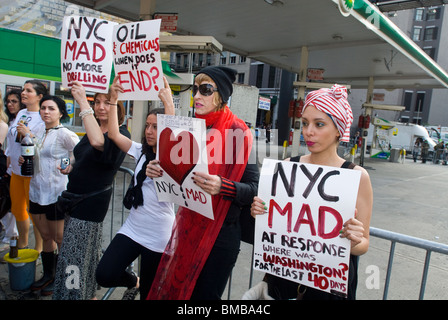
{"x":357,"y":229}
{"x":93,"y":130}
{"x":166,"y":97}
{"x":3,"y":131}
{"x":122,"y":142}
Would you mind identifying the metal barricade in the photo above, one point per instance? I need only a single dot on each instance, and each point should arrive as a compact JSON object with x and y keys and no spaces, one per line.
{"x":394,"y":238}
{"x":120,"y":186}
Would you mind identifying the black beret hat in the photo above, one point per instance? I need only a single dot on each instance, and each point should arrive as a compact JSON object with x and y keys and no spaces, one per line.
{"x":223,"y":77}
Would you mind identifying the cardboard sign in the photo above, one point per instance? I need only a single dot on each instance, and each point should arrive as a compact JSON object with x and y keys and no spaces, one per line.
{"x":181,"y":149}
{"x":136,"y":50}
{"x":298,"y":238}
{"x":86,"y":52}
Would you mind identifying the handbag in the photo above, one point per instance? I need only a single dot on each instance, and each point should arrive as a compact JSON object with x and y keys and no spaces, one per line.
{"x":68,"y":200}
{"x":5,"y":198}
{"x":129,"y":196}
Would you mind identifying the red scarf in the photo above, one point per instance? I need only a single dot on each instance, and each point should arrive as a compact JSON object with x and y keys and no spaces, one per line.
{"x":194,"y":235}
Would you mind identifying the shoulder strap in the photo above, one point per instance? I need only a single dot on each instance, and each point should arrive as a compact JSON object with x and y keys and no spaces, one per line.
{"x":345,"y":165}
{"x":348,"y":165}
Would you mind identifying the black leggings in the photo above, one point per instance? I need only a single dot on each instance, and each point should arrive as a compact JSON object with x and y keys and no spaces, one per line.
{"x":213,"y":279}
{"x":111,"y":271}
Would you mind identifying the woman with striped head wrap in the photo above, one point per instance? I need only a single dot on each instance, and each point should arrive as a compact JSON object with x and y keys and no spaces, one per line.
{"x":326,"y":120}
{"x":333,"y":102}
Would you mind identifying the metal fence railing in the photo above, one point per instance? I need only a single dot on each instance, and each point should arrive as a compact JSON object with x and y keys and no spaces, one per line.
{"x":394,"y":238}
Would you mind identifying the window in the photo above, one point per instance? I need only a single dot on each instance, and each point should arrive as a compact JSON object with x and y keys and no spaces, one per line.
{"x":209,"y":60}
{"x":419,"y":102}
{"x":259,"y":81}
{"x":430,"y":51}
{"x":178,"y":60}
{"x":418,"y":14}
{"x":271,"y":81}
{"x":224,"y":58}
{"x":417,"y":33}
{"x":242,"y":59}
{"x":430,"y":33}
{"x":407,"y":100}
{"x":241,"y":77}
{"x":404,"y":119}
{"x":432,"y":14}
{"x":185,"y":60}
{"x":232,"y":58}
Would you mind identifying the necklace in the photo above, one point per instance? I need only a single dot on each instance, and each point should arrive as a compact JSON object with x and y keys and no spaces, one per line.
{"x":55,"y":128}
{"x":47,"y":130}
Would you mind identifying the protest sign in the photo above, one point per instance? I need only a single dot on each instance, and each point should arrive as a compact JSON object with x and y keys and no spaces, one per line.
{"x":298,"y":238}
{"x":181,"y":149}
{"x":136,"y":50}
{"x":86,"y":52}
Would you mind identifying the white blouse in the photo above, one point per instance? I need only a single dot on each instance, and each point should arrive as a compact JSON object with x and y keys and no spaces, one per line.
{"x":13,"y":149}
{"x":149,"y":225}
{"x":51,"y":146}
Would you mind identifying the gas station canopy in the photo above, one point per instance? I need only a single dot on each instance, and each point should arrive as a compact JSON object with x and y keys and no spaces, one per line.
{"x":350,"y":48}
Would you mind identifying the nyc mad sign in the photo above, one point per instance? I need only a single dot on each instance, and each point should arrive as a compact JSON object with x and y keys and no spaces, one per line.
{"x":136,"y":50}
{"x":86,"y":52}
{"x":298,"y":238}
{"x":181,"y":150}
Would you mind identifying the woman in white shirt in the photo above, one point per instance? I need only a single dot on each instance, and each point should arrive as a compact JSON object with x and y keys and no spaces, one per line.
{"x":28,"y":120}
{"x":148,"y":227}
{"x":52,"y":143}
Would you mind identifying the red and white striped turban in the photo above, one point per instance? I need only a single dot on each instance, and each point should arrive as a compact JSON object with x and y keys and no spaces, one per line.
{"x":334,"y":103}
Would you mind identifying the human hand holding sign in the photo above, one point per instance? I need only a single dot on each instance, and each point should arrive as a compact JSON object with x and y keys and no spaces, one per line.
{"x":115,"y":89}
{"x":353,"y":230}
{"x":209,"y":183}
{"x":153,"y":169}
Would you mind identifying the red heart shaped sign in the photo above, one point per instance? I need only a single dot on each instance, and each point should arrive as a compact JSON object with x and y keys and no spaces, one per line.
{"x":179,"y":154}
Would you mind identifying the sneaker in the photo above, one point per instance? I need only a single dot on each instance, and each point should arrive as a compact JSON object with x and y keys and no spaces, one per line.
{"x":130,"y":294}
{"x":41,"y":283}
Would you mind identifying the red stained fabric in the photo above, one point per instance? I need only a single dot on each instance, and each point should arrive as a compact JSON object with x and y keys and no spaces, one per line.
{"x":194,"y":235}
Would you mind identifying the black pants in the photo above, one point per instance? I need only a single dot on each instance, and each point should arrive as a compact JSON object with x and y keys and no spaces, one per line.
{"x":111,"y":271}
{"x":213,"y":278}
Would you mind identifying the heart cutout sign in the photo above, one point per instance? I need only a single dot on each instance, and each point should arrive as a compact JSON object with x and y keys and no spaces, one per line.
{"x":179,"y":154}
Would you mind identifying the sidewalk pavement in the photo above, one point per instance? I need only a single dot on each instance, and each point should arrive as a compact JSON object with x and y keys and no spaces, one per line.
{"x":409,"y":198}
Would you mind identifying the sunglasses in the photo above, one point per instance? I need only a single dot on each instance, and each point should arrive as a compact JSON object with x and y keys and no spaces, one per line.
{"x":205,"y":89}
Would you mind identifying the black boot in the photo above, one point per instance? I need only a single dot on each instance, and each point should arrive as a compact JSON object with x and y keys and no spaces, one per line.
{"x":48,"y":290}
{"x":49,"y":268}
